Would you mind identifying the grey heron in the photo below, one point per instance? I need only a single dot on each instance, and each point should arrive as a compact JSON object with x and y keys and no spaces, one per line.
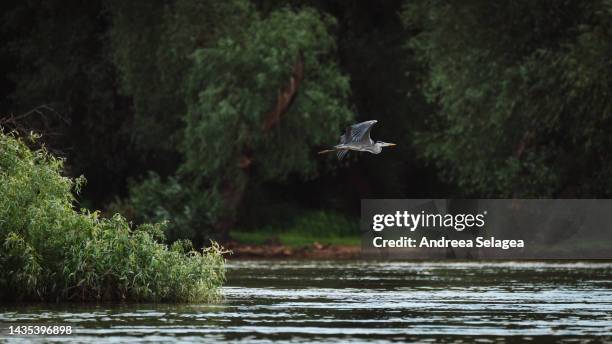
{"x":357,"y":138}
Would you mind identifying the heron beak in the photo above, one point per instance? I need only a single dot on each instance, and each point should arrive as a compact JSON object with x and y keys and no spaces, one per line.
{"x":391,"y":144}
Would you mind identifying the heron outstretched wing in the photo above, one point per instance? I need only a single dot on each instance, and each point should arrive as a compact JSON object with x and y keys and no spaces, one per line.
{"x":344,"y":138}
{"x":356,"y":134}
{"x":360,"y":132}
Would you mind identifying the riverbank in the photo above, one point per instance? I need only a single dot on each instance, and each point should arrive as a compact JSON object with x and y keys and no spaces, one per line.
{"x":289,"y":301}
{"x":315,"y":250}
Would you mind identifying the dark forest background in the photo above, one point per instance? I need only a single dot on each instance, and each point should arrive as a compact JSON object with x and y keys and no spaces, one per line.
{"x":209,"y":114}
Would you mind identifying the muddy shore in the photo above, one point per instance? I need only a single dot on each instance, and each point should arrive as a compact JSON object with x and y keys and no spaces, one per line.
{"x":314,"y":251}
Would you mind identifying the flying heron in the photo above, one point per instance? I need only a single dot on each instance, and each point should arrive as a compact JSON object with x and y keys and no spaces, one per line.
{"x":357,"y":138}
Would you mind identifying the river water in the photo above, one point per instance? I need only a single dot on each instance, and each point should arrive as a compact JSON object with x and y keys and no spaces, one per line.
{"x":361,"y":301}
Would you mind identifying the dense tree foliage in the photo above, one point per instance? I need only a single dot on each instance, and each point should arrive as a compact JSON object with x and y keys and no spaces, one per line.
{"x":188,"y":110}
{"x":151,"y":47}
{"x":259,"y":101}
{"x":59,"y":57}
{"x":522,"y":89}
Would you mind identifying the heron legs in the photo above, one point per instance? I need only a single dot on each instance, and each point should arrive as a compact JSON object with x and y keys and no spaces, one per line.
{"x":327,"y":151}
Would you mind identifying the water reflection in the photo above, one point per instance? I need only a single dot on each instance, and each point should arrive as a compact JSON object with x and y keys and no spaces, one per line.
{"x":294,"y":301}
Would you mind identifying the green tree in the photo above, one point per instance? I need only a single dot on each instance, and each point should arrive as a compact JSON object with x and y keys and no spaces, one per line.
{"x":151,"y":45}
{"x":522,"y":90}
{"x":62,"y":60}
{"x":257,"y":103}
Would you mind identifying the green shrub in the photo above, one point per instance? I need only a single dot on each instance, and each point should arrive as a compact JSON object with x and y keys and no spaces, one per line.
{"x":307,"y":228}
{"x":49,"y":251}
{"x":185,"y":210}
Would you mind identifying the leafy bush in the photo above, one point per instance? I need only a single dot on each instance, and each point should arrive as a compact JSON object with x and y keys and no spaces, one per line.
{"x":185,"y":211}
{"x":50,"y":251}
{"x":322,"y":223}
{"x":309,"y":227}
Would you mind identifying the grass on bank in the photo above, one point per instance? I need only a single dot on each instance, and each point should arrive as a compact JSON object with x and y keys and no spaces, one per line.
{"x":51,"y":252}
{"x":315,"y":226}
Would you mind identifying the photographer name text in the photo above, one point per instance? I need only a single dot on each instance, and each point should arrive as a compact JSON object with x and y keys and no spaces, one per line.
{"x":403,"y":220}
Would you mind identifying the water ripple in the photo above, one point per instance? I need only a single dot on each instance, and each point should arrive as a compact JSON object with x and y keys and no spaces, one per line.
{"x":359,"y":301}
